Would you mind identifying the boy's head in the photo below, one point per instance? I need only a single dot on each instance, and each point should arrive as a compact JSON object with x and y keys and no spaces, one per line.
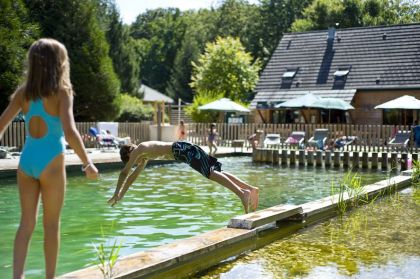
{"x":125,"y":151}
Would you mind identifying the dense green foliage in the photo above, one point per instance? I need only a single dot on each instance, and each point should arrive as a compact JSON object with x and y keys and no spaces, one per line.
{"x":162,"y":45}
{"x":227,"y":69}
{"x":16,"y":35}
{"x":133,"y":109}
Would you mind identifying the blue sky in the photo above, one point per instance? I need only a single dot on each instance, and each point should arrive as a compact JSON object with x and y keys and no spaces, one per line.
{"x":130,"y":9}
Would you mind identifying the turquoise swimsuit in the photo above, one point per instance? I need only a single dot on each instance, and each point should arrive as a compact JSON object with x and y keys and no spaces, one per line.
{"x":37,"y":153}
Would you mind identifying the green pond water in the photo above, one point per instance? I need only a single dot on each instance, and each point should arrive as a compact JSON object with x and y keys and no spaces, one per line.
{"x":380,"y":240}
{"x":166,"y":203}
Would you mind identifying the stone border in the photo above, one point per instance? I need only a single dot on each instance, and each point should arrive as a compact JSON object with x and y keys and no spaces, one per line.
{"x":189,"y":256}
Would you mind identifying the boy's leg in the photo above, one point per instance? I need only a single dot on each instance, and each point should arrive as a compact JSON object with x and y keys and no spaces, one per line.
{"x":254,"y":190}
{"x":243,"y":194}
{"x":29,"y":200}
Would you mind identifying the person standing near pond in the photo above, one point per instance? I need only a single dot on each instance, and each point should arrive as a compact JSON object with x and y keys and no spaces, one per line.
{"x":46,"y":99}
{"x":185,"y":152}
{"x":181,"y":132}
{"x":212,"y":139}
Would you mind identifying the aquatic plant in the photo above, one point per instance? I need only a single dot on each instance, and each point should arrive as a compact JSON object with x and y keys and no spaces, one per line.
{"x":350,"y":192}
{"x":107,"y":256}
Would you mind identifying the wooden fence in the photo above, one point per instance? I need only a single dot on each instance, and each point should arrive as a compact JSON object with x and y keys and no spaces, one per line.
{"x":14,"y":136}
{"x":369,"y":137}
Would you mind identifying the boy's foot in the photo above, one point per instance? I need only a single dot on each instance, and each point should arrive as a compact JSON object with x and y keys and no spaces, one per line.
{"x":246,"y":199}
{"x":254,"y":198}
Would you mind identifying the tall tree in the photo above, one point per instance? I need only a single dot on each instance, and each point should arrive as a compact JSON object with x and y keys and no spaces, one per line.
{"x":75,"y":23}
{"x":16,"y":35}
{"x":161,"y":32}
{"x":122,"y":47}
{"x":322,"y":14}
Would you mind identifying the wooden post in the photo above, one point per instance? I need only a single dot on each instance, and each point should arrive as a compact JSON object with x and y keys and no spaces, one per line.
{"x":384,"y":162}
{"x":374,"y":163}
{"x":310,"y":158}
{"x":318,"y":158}
{"x":255,"y":155}
{"x":346,"y":159}
{"x":336,"y":159}
{"x":301,"y":157}
{"x":414,"y":157}
{"x":328,"y":158}
{"x":276,"y":157}
{"x":355,"y":165}
{"x":292,"y":158}
{"x":404,"y":161}
{"x":284,"y":157}
{"x":394,"y":160}
{"x":365,"y":160}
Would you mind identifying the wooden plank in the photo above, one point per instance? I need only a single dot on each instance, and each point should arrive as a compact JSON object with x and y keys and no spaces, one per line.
{"x":265,"y":216}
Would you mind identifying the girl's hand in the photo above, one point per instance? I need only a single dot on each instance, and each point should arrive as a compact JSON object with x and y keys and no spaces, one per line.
{"x":91,"y":171}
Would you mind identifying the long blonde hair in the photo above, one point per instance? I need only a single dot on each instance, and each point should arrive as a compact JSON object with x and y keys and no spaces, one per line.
{"x":48,"y":70}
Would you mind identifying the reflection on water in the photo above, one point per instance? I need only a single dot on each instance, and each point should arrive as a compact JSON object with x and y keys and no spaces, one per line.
{"x":166,"y":203}
{"x":379,"y":240}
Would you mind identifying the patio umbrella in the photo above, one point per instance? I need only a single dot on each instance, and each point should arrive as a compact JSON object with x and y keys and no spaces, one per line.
{"x":332,"y":103}
{"x":405,"y":102}
{"x":305,"y":101}
{"x":224,"y":104}
{"x":302,"y":102}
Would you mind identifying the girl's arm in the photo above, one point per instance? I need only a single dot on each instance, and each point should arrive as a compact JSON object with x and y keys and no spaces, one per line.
{"x":72,"y":135}
{"x":10,"y":112}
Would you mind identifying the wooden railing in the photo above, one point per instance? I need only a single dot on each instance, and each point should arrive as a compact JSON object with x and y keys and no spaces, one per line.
{"x":14,"y":136}
{"x":369,"y":137}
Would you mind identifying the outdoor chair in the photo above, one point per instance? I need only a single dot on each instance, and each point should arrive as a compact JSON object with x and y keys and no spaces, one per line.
{"x":103,"y":140}
{"x":400,"y":140}
{"x":272,"y":140}
{"x":343,"y":141}
{"x":296,"y":138}
{"x":319,"y":139}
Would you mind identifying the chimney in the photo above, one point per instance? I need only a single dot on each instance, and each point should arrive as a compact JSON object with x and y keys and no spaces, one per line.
{"x":331,"y":34}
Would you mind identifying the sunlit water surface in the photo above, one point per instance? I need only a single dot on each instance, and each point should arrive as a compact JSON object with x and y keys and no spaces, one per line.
{"x":165,"y":203}
{"x":380,"y":240}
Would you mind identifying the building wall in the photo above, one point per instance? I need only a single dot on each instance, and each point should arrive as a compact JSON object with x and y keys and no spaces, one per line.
{"x":365,"y":101}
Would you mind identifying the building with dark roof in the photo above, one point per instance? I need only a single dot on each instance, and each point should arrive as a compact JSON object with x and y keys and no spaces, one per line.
{"x":364,"y":66}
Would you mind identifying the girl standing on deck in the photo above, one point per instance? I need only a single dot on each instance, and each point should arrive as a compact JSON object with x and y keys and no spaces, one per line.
{"x":212,"y":139}
{"x":46,"y":99}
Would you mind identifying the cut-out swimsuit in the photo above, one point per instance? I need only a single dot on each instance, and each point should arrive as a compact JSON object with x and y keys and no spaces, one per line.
{"x":196,"y":157}
{"x":37,"y":153}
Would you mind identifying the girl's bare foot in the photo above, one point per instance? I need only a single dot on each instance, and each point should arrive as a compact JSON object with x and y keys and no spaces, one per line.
{"x":254,"y":198}
{"x":246,"y":199}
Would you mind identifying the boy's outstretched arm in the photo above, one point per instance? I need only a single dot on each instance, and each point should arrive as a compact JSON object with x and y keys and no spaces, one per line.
{"x":126,"y":183}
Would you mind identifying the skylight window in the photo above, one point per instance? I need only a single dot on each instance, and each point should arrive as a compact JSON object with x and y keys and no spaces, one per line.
{"x":342,"y":72}
{"x":290,"y":73}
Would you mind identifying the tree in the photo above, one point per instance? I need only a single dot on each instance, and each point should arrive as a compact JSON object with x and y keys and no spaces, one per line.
{"x":76,"y":25}
{"x":226,"y":68}
{"x":122,"y":47}
{"x":322,"y":14}
{"x":161,"y":32}
{"x":16,"y":35}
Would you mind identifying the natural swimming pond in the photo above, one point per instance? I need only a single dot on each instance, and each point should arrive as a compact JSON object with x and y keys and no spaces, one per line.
{"x":166,"y":203}
{"x":379,"y":240}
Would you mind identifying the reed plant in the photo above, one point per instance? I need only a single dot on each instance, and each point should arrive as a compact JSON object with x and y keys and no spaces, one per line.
{"x":107,"y":254}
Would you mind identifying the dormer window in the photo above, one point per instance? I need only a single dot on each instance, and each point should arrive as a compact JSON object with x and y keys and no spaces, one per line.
{"x":287,"y":77}
{"x":340,"y":77}
{"x":342,"y":72}
{"x":290,"y":73}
